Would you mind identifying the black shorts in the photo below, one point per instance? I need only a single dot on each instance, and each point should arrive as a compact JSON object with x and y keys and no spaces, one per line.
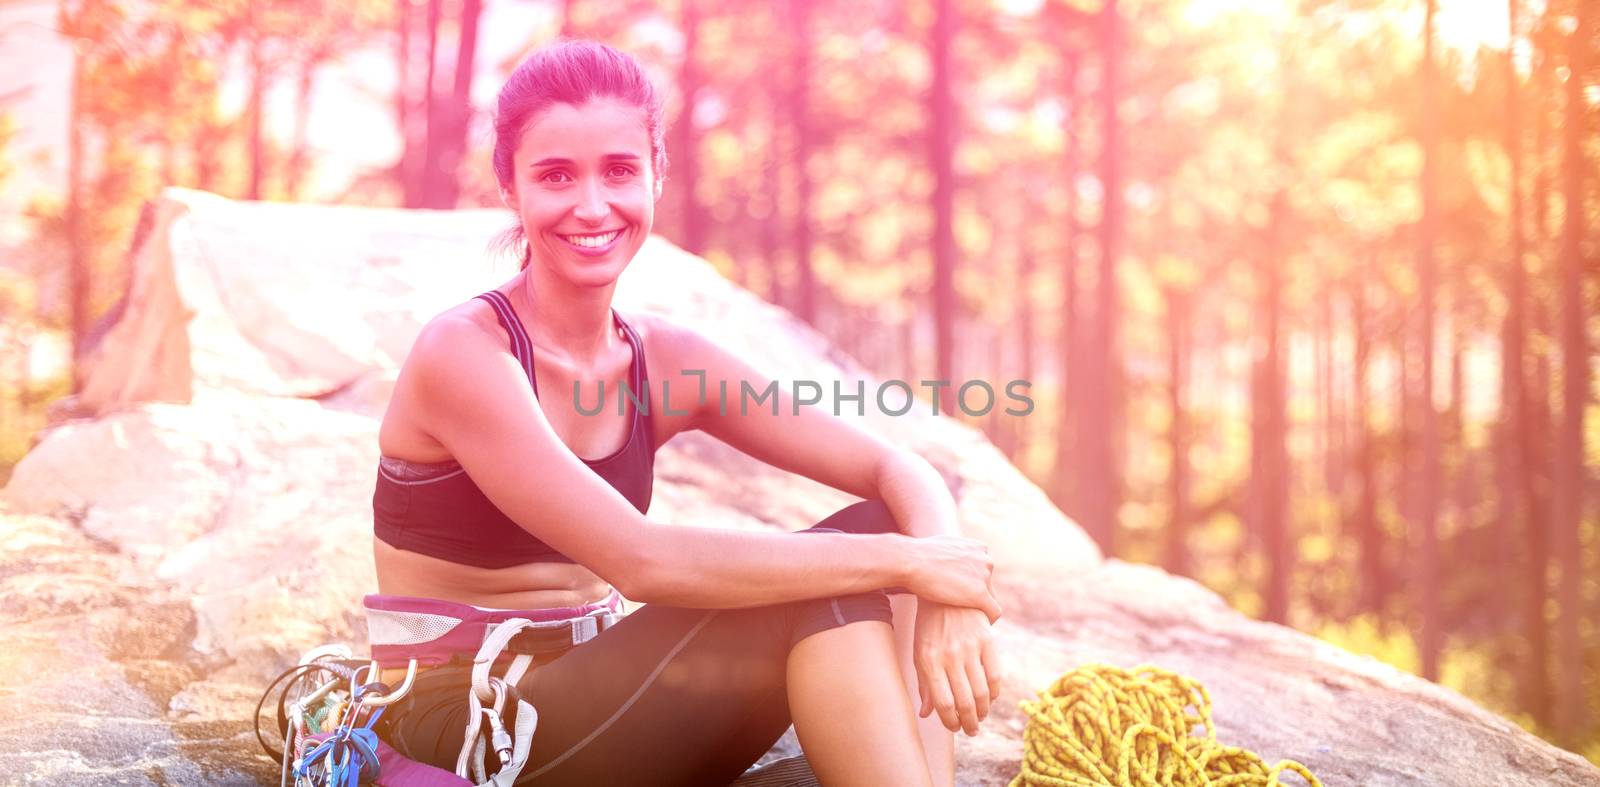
{"x":669,"y":695}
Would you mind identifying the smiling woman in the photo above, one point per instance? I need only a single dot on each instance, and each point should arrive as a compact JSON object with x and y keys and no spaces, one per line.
{"x":582,"y":186}
{"x":613,"y":126}
{"x":485,"y":501}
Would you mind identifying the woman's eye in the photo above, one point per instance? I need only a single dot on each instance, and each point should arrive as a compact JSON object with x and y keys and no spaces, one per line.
{"x":555,"y":176}
{"x":621,"y":171}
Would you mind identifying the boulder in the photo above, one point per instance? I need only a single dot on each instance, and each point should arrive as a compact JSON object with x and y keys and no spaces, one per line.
{"x":206,"y":518}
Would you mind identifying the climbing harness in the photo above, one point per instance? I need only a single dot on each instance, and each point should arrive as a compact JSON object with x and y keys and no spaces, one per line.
{"x":328,"y":735}
{"x":1103,"y":726}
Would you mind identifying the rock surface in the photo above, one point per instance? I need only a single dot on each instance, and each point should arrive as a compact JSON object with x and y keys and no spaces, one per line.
{"x":207,"y":518}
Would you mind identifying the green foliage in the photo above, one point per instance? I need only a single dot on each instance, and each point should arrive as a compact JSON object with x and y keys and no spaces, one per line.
{"x":22,"y":415}
{"x":1368,"y":635}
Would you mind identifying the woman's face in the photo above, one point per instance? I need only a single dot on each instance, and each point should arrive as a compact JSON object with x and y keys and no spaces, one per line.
{"x":584,"y":187}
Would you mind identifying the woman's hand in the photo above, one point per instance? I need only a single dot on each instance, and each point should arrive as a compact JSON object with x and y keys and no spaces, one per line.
{"x":957,"y":671}
{"x":954,"y":571}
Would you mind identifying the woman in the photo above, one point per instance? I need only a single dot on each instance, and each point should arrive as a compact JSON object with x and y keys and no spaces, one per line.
{"x":488,"y":495}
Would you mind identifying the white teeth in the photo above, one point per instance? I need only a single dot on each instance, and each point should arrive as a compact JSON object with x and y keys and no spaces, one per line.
{"x":593,"y":241}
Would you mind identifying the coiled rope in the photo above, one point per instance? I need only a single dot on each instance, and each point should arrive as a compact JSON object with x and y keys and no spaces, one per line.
{"x":1104,"y":726}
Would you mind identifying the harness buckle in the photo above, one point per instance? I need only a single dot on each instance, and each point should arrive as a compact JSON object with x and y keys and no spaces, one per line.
{"x":589,"y":626}
{"x":585,"y":629}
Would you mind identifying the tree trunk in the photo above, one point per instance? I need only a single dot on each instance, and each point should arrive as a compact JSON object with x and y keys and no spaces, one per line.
{"x":772,"y":193}
{"x":1100,"y":490}
{"x":942,"y":117}
{"x":79,"y":280}
{"x":299,"y":155}
{"x":449,"y":121}
{"x":1535,"y":685}
{"x":1513,"y":421}
{"x":208,"y":140}
{"x":993,"y":424}
{"x":257,"y":97}
{"x":1025,"y":338}
{"x":686,"y":164}
{"x":1321,"y":383}
{"x":1405,"y":422}
{"x":805,"y":285}
{"x":1178,"y":304}
{"x":413,"y":134}
{"x":1459,"y":476}
{"x":434,"y":114}
{"x":1268,"y":433}
{"x":1369,"y":537}
{"x":1070,"y":342}
{"x":1543,"y":86}
{"x":1569,"y":473}
{"x":1334,"y":376}
{"x":908,"y":345}
{"x":1430,"y":638}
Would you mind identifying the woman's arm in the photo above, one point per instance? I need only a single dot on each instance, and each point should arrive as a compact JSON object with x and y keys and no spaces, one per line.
{"x":958,"y":668}
{"x":477,"y":403}
{"x":953,"y":650}
{"x":916,"y":494}
{"x":810,"y":440}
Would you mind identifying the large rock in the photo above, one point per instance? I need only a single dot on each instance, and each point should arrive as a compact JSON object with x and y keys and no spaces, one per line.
{"x":208,"y":517}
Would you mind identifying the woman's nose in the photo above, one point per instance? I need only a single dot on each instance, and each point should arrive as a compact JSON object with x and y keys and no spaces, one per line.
{"x":592,"y":204}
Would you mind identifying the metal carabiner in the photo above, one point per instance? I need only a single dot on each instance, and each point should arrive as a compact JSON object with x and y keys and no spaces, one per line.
{"x":376,"y":700}
{"x":499,"y":739}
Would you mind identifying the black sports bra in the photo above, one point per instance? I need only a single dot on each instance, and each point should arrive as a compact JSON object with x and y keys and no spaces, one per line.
{"x":435,"y":509}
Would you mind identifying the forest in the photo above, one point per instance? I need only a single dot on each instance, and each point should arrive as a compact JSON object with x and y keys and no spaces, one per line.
{"x":1305,"y":289}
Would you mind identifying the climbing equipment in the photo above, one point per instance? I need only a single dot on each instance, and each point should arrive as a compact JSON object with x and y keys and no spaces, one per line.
{"x":1104,"y":726}
{"x":328,"y":734}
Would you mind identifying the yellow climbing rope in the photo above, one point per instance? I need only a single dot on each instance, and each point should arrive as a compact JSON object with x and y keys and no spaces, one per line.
{"x":1103,"y":726}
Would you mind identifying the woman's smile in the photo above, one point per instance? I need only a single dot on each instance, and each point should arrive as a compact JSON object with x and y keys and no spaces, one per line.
{"x":594,"y":244}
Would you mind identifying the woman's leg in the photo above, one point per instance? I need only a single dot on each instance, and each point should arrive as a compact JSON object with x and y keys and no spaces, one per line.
{"x":695,"y":696}
{"x":853,"y":719}
{"x":938,"y":743}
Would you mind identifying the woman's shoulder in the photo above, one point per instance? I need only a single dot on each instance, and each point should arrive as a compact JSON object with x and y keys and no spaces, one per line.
{"x":472,"y":320}
{"x":462,"y":336}
{"x":457,"y":345}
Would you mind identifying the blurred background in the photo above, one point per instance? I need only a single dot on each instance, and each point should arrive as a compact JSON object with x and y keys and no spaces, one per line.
{"x":1304,"y":288}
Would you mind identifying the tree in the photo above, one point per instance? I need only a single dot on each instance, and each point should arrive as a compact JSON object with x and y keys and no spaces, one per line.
{"x":448,"y":150}
{"x":685,"y":162}
{"x":1513,"y":411}
{"x":805,"y":285}
{"x":1178,"y":310}
{"x":941,"y":152}
{"x":1269,"y":481}
{"x":1426,"y":537}
{"x":1567,"y":516}
{"x":1099,"y":491}
{"x":1369,"y":537}
{"x":1069,"y":333}
{"x":434,"y":127}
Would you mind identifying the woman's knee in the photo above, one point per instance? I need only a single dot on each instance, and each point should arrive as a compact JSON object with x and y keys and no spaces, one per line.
{"x":821,"y":614}
{"x":804,"y":618}
{"x":867,"y":516}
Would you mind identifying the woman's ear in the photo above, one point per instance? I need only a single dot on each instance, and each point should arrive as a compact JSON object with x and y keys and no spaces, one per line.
{"x":508,"y":199}
{"x":658,"y":189}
